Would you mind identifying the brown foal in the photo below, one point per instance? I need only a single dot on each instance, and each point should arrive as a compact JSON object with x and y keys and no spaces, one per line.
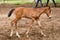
{"x":31,"y":13}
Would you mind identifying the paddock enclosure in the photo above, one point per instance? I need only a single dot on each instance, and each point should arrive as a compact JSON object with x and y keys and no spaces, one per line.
{"x":50,"y":27}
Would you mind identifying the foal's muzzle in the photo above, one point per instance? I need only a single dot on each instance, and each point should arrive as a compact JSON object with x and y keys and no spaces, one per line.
{"x":49,"y":17}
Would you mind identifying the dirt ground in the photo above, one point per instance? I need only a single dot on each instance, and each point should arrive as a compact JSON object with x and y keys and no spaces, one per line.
{"x":51,"y":27}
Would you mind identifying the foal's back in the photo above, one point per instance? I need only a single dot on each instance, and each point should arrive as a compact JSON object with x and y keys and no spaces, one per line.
{"x":29,"y":12}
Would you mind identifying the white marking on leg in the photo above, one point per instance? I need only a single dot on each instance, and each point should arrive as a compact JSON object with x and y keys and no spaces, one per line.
{"x":17,"y":35}
{"x":50,"y":16}
{"x":11,"y":33}
{"x":39,"y":23}
{"x":43,"y":33}
{"x":27,"y":32}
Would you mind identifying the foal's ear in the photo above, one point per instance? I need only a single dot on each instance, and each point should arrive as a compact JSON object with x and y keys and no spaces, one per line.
{"x":49,"y":7}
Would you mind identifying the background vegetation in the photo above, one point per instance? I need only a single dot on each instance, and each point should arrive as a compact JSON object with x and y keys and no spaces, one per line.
{"x":24,"y":1}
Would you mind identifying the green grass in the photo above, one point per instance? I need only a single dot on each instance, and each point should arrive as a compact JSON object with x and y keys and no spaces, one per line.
{"x":57,"y":1}
{"x":25,"y":1}
{"x":17,"y":2}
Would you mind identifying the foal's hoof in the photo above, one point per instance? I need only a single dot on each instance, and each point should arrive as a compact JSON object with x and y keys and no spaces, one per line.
{"x":17,"y":35}
{"x":44,"y":35}
{"x":49,"y":17}
{"x":27,"y":36}
{"x":9,"y":37}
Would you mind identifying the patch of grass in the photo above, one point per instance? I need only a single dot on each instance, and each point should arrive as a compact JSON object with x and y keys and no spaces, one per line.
{"x":17,"y":2}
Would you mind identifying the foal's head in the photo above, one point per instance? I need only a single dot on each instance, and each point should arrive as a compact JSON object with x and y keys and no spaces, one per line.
{"x":48,"y":12}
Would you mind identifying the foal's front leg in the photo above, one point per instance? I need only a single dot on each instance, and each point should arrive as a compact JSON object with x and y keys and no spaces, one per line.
{"x":29,"y":30}
{"x":40,"y":26}
{"x":11,"y":33}
{"x":30,"y":27}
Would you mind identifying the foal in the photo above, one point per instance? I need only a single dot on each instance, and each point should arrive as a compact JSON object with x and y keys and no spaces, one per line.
{"x":31,"y":13}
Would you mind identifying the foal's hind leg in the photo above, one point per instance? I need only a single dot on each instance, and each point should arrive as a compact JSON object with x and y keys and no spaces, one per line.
{"x":16,"y":28}
{"x":14,"y":22}
{"x":12,"y":28}
{"x":40,"y":26}
{"x":17,"y":34}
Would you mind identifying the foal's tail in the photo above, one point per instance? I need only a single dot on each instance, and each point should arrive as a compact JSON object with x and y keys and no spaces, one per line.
{"x":10,"y":12}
